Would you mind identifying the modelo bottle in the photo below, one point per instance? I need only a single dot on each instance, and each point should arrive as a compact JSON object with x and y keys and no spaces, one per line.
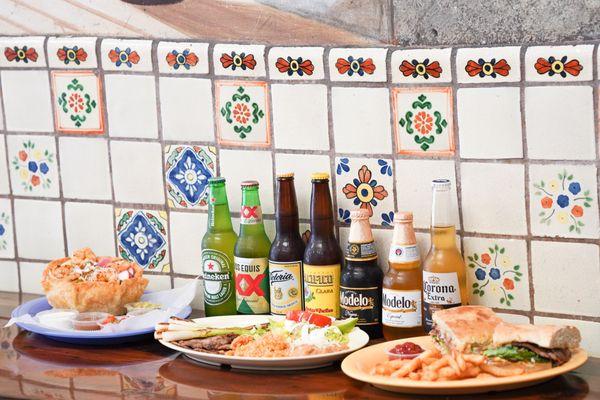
{"x":251,"y":256}
{"x":444,"y":276}
{"x":217,"y":253}
{"x":403,"y":283}
{"x":287,"y":250}
{"x":323,"y":256}
{"x":361,"y":280}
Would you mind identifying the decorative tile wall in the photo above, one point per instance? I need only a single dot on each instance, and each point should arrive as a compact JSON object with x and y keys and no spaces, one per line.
{"x":110,"y":143}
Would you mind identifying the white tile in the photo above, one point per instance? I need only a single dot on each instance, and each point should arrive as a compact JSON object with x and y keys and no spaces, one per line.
{"x":126,"y":55}
{"x":198,"y":303}
{"x":383,"y":240}
{"x":182,"y":57}
{"x":361,"y":120}
{"x":514,"y":318}
{"x":421,"y":66}
{"x":414,"y":189}
{"x":238,"y":166}
{"x":239,"y":60}
{"x":31,"y":277}
{"x":78,"y":105}
{"x":26,"y":96}
{"x":590,"y":331}
{"x":4,"y":186}
{"x":72,"y":52}
{"x":39,"y":229}
{"x":560,"y":122}
{"x":187,"y":231}
{"x":358,"y":64}
{"x":186,"y":109}
{"x":131,"y":106}
{"x":302,"y":165}
{"x":33,"y":167}
{"x":578,"y":59}
{"x":497,"y":273}
{"x":489,"y":122}
{"x":484,"y":209}
{"x":84,"y":168}
{"x":158,"y":282}
{"x":23,"y":52}
{"x":488,"y":64}
{"x":137,"y":172}
{"x":7,"y":243}
{"x":563,"y":200}
{"x":289,"y":114}
{"x":566,"y":277}
{"x":296,"y":63}
{"x":10,"y":276}
{"x":90,"y":225}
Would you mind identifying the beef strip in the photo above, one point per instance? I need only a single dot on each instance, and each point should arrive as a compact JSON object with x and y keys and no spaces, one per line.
{"x":214,"y":344}
{"x":557,"y":356}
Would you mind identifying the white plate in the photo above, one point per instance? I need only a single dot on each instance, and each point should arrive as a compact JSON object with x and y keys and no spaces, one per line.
{"x":357,"y":339}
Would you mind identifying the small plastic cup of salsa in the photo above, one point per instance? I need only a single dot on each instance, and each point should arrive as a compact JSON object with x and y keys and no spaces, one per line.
{"x":404,"y":351}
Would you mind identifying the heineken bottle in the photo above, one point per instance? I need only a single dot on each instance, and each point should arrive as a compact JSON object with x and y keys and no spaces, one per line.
{"x":217,"y":253}
{"x":251,"y":256}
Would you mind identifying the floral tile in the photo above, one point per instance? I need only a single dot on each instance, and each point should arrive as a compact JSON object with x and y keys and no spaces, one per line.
{"x":187,"y":170}
{"x":126,"y":55}
{"x":182,"y":58}
{"x":23,"y":52}
{"x":77,"y":102}
{"x":7,"y":249}
{"x":142,"y":237}
{"x":423,"y":121}
{"x":559,"y":63}
{"x":72,"y":52}
{"x":242,"y":113}
{"x":33,"y":167}
{"x":488,"y":64}
{"x":365,"y":183}
{"x":296,"y":63}
{"x":563,"y":200}
{"x":497,"y":273}
{"x":355,"y":64}
{"x":239,"y":60}
{"x":421,"y":66}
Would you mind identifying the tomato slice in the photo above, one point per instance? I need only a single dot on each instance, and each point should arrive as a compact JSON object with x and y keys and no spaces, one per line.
{"x":310,"y":317}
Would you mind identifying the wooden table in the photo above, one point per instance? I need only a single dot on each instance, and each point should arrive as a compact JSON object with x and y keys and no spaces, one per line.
{"x":34,"y":367}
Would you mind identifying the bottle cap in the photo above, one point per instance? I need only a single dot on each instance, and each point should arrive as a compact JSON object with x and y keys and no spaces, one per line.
{"x":441,"y":184}
{"x":319,"y":176}
{"x":216,"y":179}
{"x":403,"y":216}
{"x":285,"y":175}
{"x":249,"y":184}
{"x":359,"y":213}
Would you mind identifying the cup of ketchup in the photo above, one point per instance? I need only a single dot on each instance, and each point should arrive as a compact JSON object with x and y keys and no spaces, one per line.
{"x":404,"y":351}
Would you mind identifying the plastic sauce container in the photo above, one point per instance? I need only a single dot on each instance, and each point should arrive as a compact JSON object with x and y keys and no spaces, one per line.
{"x":89,"y":321}
{"x":404,"y":351}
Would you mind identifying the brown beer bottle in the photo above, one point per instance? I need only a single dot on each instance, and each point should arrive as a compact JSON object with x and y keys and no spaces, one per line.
{"x":323,"y":256}
{"x":287,"y":250}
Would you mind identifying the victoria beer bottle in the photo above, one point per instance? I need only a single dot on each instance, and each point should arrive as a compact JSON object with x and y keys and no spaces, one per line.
{"x":444,"y":281}
{"x":287,"y":250}
{"x":403,"y":282}
{"x":251,"y":256}
{"x":217,"y":253}
{"x":360,"y":285}
{"x":323,"y":256}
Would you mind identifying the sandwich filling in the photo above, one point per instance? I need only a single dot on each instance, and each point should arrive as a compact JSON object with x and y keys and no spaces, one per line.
{"x":529,"y":352}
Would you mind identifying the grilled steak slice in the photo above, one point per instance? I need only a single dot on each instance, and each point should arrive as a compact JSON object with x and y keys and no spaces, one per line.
{"x":214,"y":344}
{"x":557,"y":356}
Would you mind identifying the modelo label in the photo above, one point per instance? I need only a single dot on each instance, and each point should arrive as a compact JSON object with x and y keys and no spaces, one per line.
{"x":401,"y":308}
{"x":404,"y":253}
{"x":440,"y":291}
{"x":251,"y":215}
{"x":252,"y":285}
{"x":361,"y":250}
{"x":217,"y":274}
{"x":322,"y":289}
{"x":286,"y":286}
{"x":361,"y":303}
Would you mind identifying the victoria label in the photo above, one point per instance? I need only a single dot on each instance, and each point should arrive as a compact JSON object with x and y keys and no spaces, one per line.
{"x":401,"y":308}
{"x":361,"y":303}
{"x":252,"y":285}
{"x":217,"y":273}
{"x":440,"y":291}
{"x":286,"y":286}
{"x":322,"y":289}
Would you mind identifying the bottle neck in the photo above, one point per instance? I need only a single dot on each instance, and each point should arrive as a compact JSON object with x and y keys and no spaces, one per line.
{"x":443,"y":231}
{"x":286,"y":209}
{"x":360,"y":241}
{"x":404,"y":233}
{"x":251,"y":221}
{"x":219,"y":218}
{"x":321,"y":213}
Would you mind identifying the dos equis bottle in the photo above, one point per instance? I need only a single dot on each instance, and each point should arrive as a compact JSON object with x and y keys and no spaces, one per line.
{"x":360,"y":286}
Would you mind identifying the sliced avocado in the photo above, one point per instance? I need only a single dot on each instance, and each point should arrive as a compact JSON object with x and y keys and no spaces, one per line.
{"x":345,"y":325}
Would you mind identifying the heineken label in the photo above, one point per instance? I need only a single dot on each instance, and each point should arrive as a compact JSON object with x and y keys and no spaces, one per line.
{"x":286,"y":286}
{"x":440,"y":291}
{"x":251,"y":215}
{"x":361,"y":303}
{"x":322,"y":289}
{"x":403,"y":253}
{"x":217,"y":274}
{"x":401,"y":308}
{"x":252,"y":285}
{"x":361,"y":250}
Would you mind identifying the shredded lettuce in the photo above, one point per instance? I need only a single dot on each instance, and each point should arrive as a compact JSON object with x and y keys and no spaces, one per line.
{"x":514,"y":353}
{"x":333,"y":334}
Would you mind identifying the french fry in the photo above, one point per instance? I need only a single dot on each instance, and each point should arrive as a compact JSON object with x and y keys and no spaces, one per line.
{"x":459,"y":361}
{"x":471,"y":372}
{"x":415,"y":376}
{"x":442,"y":362}
{"x":407,"y":368}
{"x":429,"y":360}
{"x":448,"y":373}
{"x":429,"y":375}
{"x":452,"y":363}
{"x":474,"y":358}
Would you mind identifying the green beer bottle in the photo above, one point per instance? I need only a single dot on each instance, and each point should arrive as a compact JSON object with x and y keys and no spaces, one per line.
{"x":251,"y":256}
{"x":217,"y":253}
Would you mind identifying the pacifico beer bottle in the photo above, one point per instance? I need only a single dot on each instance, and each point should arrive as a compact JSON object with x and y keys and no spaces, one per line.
{"x":251,"y":256}
{"x":360,"y":286}
{"x":217,"y":253}
{"x":444,"y":280}
{"x":287,"y":250}
{"x":323,"y":256}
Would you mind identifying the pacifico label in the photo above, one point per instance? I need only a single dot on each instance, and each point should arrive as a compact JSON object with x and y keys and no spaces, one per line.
{"x":251,"y":215}
{"x":251,"y":285}
{"x":217,"y":273}
{"x":401,"y":308}
{"x":404,"y":253}
{"x":286,"y":286}
{"x":322,"y":289}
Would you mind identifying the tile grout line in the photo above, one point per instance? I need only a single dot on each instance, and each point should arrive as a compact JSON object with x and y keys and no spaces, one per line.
{"x":393,"y":136}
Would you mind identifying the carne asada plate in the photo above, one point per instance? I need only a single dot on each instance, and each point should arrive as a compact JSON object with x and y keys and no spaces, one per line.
{"x":301,"y":340}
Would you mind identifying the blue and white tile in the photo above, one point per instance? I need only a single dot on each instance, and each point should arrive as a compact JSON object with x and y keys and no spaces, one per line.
{"x":420,"y":66}
{"x":296,"y":63}
{"x":488,"y":64}
{"x":126,"y":55}
{"x":559,"y":63}
{"x":33,"y":165}
{"x":358,"y":65}
{"x":22,"y":52}
{"x":182,"y":57}
{"x":71,"y":52}
{"x":239,"y":60}
{"x":7,"y":241}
